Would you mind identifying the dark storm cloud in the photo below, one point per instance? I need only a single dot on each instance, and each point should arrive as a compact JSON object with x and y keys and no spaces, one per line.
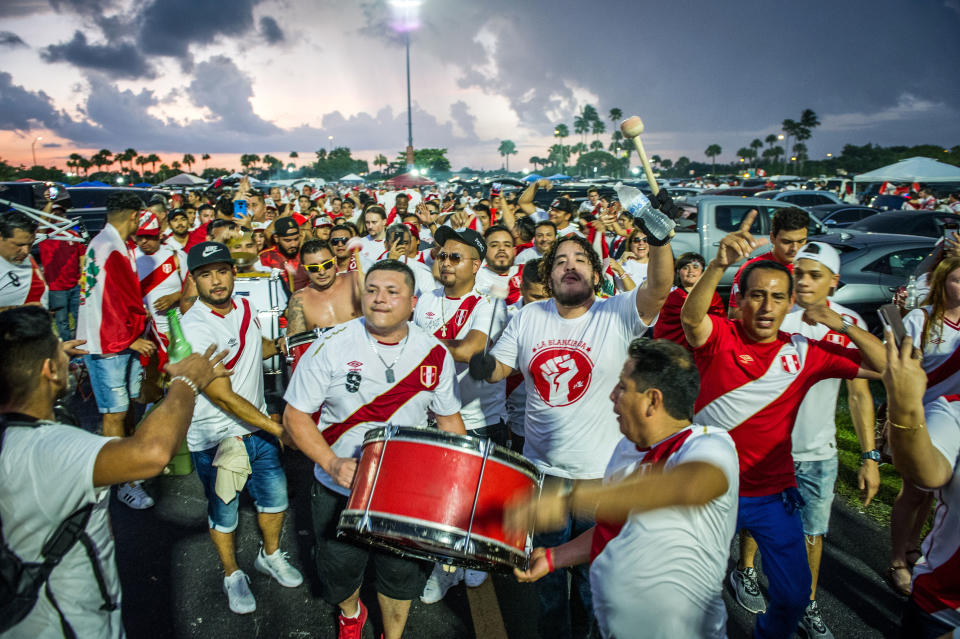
{"x":17,"y":8}
{"x":270,"y":30}
{"x":10,"y":39}
{"x":19,"y":108}
{"x":169,"y":27}
{"x":460,"y":112}
{"x":220,"y":86}
{"x":121,"y":60}
{"x":51,"y":145}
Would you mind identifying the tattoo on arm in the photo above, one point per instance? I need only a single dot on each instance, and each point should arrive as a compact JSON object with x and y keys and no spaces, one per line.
{"x":296,"y":320}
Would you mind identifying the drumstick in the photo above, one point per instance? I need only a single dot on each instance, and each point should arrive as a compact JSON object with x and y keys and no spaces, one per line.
{"x":631,"y":128}
{"x":496,"y":292}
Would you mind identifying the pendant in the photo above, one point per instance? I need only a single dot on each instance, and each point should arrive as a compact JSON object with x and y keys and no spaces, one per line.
{"x":390,"y":377}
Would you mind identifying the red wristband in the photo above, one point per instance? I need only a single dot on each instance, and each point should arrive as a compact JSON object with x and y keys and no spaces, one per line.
{"x":548,"y":555}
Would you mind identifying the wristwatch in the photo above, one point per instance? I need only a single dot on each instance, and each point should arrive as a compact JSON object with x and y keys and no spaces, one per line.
{"x":845,"y":324}
{"x":871,"y":454}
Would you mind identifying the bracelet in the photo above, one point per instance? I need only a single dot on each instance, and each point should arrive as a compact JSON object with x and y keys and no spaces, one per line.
{"x":548,"y":555}
{"x":901,"y":427}
{"x":189,"y":382}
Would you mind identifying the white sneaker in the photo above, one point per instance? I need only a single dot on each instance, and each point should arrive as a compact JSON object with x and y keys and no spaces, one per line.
{"x":237,"y":587}
{"x":134,"y":495}
{"x":277,"y":566}
{"x":439,"y":583}
{"x":474,"y":578}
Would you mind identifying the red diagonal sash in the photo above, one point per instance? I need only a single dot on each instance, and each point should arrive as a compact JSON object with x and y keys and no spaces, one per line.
{"x":157,"y":276}
{"x":382,"y":408}
{"x":452,"y":327}
{"x":244,"y":325}
{"x":944,"y":370}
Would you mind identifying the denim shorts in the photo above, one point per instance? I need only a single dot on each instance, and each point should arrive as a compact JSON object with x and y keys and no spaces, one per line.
{"x":267,"y":483}
{"x":116,"y":379}
{"x":815,"y":481}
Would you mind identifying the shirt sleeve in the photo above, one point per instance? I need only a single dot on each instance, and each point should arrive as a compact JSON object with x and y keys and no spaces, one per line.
{"x":839,"y":361}
{"x":507,"y":348}
{"x":944,"y":428}
{"x":200,"y":336}
{"x":625,"y":307}
{"x":310,"y":383}
{"x":446,"y":396}
{"x":913,"y":323}
{"x":716,"y":449}
{"x":722,"y":327}
{"x":488,"y":308}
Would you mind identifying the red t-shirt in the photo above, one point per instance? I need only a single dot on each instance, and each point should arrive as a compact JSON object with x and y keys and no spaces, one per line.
{"x":668,"y":325}
{"x":196,"y":236}
{"x":754,"y":390}
{"x":273,"y":258}
{"x":61,"y":263}
{"x":732,"y":302}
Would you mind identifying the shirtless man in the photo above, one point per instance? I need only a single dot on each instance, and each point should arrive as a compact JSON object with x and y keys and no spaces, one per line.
{"x":330,"y":299}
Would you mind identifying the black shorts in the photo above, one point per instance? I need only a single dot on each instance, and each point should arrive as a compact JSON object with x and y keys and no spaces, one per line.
{"x":341,"y":565}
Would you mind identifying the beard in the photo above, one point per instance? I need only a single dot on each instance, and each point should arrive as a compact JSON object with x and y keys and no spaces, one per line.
{"x":572,"y":294}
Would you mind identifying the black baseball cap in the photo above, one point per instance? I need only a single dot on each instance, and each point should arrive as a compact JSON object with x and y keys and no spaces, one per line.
{"x":176,"y":213}
{"x":562,"y":204}
{"x":285,"y":226}
{"x":208,"y":253}
{"x":466,"y":236}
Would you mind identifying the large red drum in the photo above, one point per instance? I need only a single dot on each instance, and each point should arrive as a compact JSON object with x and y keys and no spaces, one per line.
{"x":439,"y":496}
{"x":299,"y":343}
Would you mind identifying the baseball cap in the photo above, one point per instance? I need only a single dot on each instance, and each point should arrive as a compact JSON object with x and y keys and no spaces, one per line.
{"x":269,"y":203}
{"x":562,"y":204}
{"x":158,"y":200}
{"x":208,"y":253}
{"x":466,"y":236}
{"x":148,"y":224}
{"x":177,"y":213}
{"x":285,"y":226}
{"x":820,"y":252}
{"x":321,"y":220}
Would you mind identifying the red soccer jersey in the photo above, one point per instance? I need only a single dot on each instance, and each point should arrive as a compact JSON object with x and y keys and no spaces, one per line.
{"x":732,"y":302}
{"x":61,"y":262}
{"x":273,"y":258}
{"x":754,"y":390}
{"x":668,"y":324}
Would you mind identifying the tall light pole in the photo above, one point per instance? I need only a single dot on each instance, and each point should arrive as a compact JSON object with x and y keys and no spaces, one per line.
{"x":405,"y":20}
{"x":409,"y":107}
{"x":33,"y":148}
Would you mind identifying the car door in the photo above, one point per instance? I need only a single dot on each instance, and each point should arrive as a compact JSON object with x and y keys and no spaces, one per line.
{"x":895,"y":267}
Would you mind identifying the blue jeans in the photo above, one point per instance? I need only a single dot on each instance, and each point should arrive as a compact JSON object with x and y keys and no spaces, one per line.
{"x":267,"y":483}
{"x":63,"y":304}
{"x":116,"y":379}
{"x":774,"y":522}
{"x":815,"y":481}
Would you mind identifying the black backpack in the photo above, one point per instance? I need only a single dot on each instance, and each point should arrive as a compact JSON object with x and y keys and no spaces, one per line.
{"x":20,"y":581}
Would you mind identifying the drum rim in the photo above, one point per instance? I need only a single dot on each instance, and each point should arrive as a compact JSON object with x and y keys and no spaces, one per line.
{"x":312,"y":334}
{"x":453,"y":441}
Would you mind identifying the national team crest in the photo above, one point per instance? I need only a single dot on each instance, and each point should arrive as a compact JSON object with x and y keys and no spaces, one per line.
{"x":836,"y":338}
{"x":461,"y":316}
{"x":790,"y":363}
{"x":428,"y":376}
{"x":167,"y":268}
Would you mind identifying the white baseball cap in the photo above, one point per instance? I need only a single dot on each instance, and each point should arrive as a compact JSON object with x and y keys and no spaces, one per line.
{"x":820,"y":252}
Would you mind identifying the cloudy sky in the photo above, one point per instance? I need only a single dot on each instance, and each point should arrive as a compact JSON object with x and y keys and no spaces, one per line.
{"x":272,"y":76}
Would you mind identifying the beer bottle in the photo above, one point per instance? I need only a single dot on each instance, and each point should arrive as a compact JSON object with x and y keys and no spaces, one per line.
{"x":179,"y":346}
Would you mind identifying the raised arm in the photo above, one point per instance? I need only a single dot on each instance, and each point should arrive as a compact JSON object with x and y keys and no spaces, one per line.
{"x":653,"y":294}
{"x":872,"y":349}
{"x":525,"y":201}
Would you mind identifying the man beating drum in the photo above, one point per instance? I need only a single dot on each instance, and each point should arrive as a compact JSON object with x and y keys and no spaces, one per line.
{"x":365,"y":373}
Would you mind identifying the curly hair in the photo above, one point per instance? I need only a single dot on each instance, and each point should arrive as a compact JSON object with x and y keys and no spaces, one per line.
{"x":546,"y":264}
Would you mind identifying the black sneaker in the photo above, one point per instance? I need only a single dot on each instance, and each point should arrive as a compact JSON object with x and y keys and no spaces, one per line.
{"x":747,"y":590}
{"x":812,"y":623}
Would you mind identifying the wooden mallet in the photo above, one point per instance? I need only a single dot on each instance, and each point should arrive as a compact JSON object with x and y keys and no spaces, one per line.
{"x":631,"y":128}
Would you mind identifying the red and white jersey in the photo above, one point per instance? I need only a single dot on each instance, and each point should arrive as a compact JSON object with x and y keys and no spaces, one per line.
{"x":569,"y":367}
{"x":569,"y":229}
{"x":111,"y":315}
{"x":342,"y":381}
{"x":174,"y":245}
{"x":237,"y":332}
{"x":941,"y":353}
{"x":22,"y":283}
{"x":372,"y":249}
{"x":815,"y":429}
{"x":668,"y":325}
{"x":936,"y":577}
{"x":755,"y":389}
{"x":161,"y":273}
{"x":453,"y":318}
{"x":526,"y":255}
{"x":509,"y":281}
{"x":638,"y":564}
{"x":516,"y":390}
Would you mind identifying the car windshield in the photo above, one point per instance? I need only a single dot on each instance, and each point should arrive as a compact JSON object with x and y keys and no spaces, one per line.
{"x":879,"y":223}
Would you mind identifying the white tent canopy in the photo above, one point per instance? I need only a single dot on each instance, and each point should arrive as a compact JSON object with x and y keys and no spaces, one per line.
{"x":912,"y":170}
{"x":184,"y":179}
{"x":351,"y":177}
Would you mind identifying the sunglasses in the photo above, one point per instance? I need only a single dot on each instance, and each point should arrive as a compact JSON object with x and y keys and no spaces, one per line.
{"x":639,"y":240}
{"x":455,"y":258}
{"x":339,"y":241}
{"x":321,"y":267}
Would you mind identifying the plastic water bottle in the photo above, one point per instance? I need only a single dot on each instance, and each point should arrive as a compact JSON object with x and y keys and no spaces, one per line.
{"x":633,"y":199}
{"x":179,"y":346}
{"x":912,"y":294}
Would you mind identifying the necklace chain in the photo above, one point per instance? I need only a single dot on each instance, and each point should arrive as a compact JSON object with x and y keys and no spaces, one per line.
{"x":389,"y":369}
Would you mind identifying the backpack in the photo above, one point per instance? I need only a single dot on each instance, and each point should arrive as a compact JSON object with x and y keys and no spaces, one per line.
{"x":20,"y":581}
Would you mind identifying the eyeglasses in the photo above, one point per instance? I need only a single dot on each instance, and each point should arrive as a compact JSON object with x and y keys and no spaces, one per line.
{"x":455,"y":258}
{"x":321,"y":267}
{"x":339,"y":241}
{"x":639,"y":240}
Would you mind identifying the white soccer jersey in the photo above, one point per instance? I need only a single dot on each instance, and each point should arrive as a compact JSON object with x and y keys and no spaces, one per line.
{"x":815,"y":429}
{"x":941,"y":353}
{"x":22,"y":283}
{"x":372,"y":249}
{"x":662,"y":570}
{"x":342,"y":381}
{"x":526,"y":255}
{"x":422,"y":277}
{"x":569,"y":367}
{"x":161,"y":274}
{"x":448,"y":318}
{"x":637,"y":272}
{"x":936,"y":579}
{"x":237,"y":332}
{"x":509,"y":282}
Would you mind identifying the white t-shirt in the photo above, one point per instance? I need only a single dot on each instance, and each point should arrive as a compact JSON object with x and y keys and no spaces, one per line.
{"x":509,"y":282}
{"x":448,"y":318}
{"x":422,"y":276}
{"x":936,"y":579}
{"x":815,"y":429}
{"x":341,"y":380}
{"x":160,"y":273}
{"x":569,"y":367}
{"x":526,"y":255}
{"x":46,"y":474}
{"x":22,"y":283}
{"x":239,"y":333}
{"x":941,"y":354}
{"x":663,"y":569}
{"x":637,"y":272}
{"x":371,"y":249}
{"x":569,"y":229}
{"x":516,"y":390}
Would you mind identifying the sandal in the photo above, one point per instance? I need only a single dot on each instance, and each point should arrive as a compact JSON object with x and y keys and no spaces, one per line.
{"x":913,"y":556}
{"x":899,"y":578}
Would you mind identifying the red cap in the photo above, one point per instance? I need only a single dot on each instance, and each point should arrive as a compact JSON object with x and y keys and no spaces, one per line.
{"x":149,"y":224}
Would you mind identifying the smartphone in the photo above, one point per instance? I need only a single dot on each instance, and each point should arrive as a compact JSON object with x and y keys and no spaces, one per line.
{"x":890,"y":317}
{"x":495,"y":188}
{"x":239,"y":209}
{"x":948,"y":230}
{"x":53,"y":192}
{"x":396,"y":236}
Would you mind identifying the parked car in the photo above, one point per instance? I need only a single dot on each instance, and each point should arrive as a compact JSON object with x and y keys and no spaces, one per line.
{"x":908,"y":222}
{"x":838,"y":216}
{"x":873,"y":266}
{"x":800,"y":197}
{"x":576,"y":190}
{"x":736,"y":191}
{"x":89,"y":203}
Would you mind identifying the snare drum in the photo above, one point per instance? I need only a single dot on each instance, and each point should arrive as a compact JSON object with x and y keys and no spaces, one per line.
{"x":267,"y":294}
{"x":439,"y":496}
{"x":298,"y":344}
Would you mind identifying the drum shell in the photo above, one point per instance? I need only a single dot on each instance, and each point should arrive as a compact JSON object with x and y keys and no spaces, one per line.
{"x":266,"y":292}
{"x":299,"y":344}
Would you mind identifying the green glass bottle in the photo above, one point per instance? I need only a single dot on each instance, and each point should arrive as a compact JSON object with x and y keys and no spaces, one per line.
{"x":179,"y":346}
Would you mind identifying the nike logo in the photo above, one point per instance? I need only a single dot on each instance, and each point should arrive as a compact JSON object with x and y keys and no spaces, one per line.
{"x":210,"y":250}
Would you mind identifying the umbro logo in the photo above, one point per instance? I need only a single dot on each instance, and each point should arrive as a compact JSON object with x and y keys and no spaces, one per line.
{"x":354,"y":364}
{"x":745,"y":359}
{"x":429,"y":314}
{"x":210,"y":250}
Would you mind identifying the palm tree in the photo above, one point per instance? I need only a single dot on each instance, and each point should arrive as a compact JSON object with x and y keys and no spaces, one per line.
{"x":616,"y":115}
{"x":770,"y":140}
{"x":175,"y":165}
{"x":205,"y":157}
{"x":381,"y":160}
{"x":745,"y":153}
{"x":590,"y":113}
{"x":141,"y":160}
{"x":790,"y":128}
{"x":153,"y":158}
{"x":666,"y":163}
{"x":599,"y":128}
{"x":561,"y":131}
{"x":506,"y":149}
{"x":596,"y":145}
{"x":655,"y":160}
{"x":85,"y":164}
{"x":756,"y":145}
{"x":581,"y":126}
{"x":536,"y":161}
{"x":712,"y":152}
{"x":245,"y":160}
{"x":294,"y":155}
{"x":189,"y":160}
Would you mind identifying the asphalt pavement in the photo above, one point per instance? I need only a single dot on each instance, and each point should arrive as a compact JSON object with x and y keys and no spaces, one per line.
{"x":172,"y":581}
